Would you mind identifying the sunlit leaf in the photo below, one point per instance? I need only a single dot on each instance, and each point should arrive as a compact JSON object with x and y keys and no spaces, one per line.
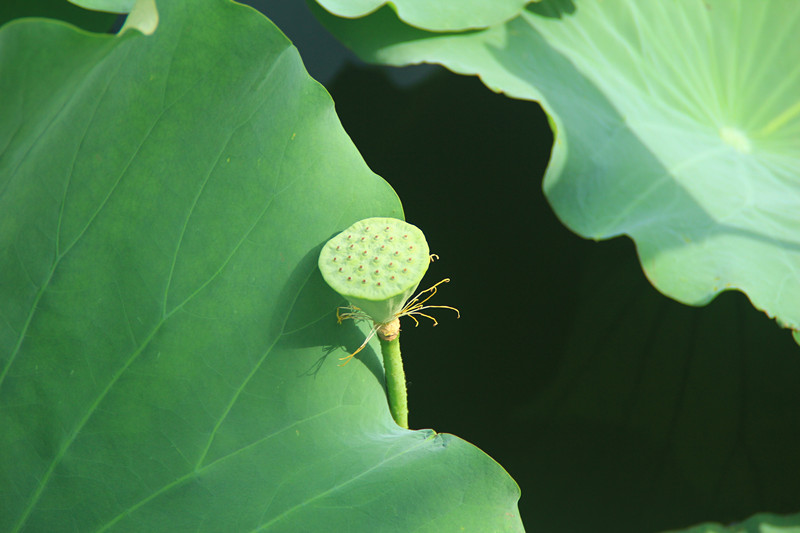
{"x":168,"y":349}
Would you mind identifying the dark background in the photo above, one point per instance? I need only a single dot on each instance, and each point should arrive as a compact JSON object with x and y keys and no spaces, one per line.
{"x":613,"y":407}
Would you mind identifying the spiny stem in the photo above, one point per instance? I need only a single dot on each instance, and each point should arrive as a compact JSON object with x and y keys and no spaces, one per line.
{"x":395,"y":381}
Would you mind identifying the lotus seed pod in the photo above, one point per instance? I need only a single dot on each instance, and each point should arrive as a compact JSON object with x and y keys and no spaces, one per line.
{"x":377,"y":264}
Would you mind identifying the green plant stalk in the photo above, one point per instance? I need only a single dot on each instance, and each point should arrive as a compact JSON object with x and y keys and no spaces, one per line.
{"x":395,"y":381}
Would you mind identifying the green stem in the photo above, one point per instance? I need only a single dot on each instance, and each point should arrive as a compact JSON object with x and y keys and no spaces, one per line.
{"x":395,"y":381}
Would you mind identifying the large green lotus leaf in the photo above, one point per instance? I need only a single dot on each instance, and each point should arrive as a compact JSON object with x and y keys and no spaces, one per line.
{"x":677,"y":124}
{"x":168,"y":349}
{"x":442,"y":15}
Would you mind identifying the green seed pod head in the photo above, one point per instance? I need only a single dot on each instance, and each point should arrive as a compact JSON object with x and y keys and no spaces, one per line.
{"x":377,"y":264}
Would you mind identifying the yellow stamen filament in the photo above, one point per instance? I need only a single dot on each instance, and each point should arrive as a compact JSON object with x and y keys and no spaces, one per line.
{"x":348,"y":358}
{"x":412,"y":307}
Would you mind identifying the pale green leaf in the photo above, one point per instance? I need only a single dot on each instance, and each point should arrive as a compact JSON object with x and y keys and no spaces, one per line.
{"x":441,"y":15}
{"x":109,"y":6}
{"x":760,"y":523}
